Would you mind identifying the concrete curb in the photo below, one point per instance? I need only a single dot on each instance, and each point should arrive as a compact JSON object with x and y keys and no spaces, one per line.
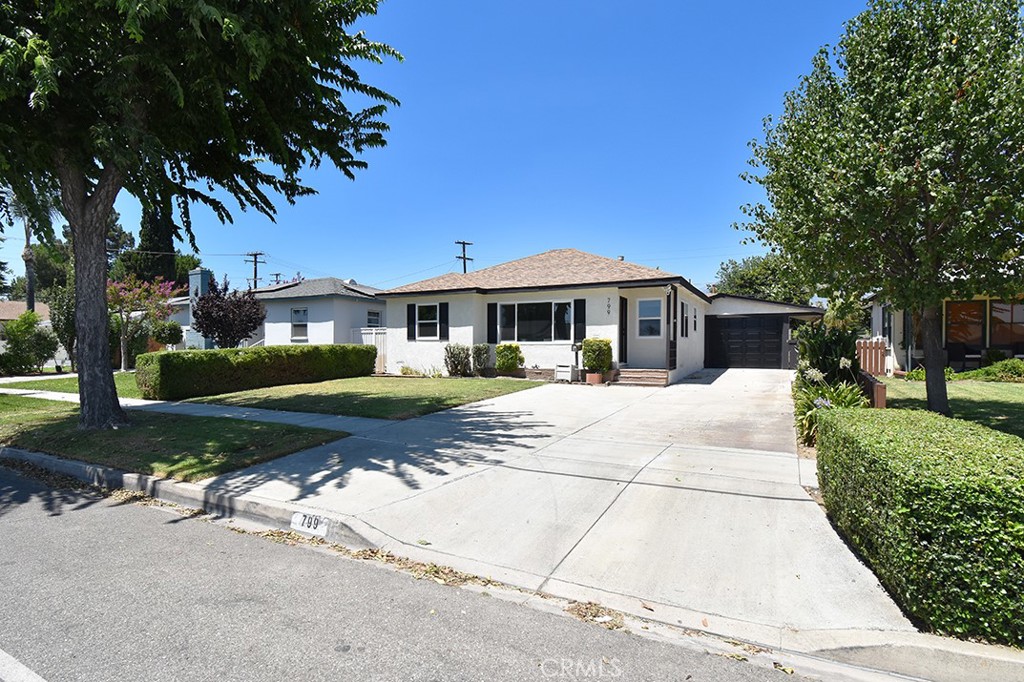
{"x":859,"y":654}
{"x":248,"y":507}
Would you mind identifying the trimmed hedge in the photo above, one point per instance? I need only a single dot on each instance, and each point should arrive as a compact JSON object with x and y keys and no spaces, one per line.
{"x":177,"y":375}
{"x":936,"y":507}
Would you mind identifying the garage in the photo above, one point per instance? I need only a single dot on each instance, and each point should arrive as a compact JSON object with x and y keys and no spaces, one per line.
{"x":749,"y":332}
{"x":745,"y":341}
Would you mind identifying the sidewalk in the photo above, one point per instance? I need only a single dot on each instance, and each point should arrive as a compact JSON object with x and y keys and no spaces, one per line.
{"x":353,"y":425}
{"x":37,"y":377}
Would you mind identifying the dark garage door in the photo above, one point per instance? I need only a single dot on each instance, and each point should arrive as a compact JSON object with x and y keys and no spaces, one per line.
{"x":754,"y":341}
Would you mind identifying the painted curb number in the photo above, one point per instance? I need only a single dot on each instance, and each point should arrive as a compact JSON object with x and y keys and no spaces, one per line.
{"x":310,"y":524}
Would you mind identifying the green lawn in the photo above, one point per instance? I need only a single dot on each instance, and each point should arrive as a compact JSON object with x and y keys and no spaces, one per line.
{"x":996,"y":405}
{"x":380,"y":397}
{"x":186,"y":448}
{"x":125,"y":382}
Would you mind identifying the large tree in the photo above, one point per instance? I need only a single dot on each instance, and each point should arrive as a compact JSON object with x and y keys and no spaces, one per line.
{"x":176,"y":98}
{"x":897,"y":166}
{"x":770,"y":277}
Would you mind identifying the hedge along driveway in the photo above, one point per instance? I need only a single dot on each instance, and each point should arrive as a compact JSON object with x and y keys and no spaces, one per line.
{"x":376,"y":397}
{"x":936,"y":507}
{"x":185,"y":448}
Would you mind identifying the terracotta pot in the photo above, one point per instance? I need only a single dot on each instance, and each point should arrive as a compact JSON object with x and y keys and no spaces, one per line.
{"x":595,"y":378}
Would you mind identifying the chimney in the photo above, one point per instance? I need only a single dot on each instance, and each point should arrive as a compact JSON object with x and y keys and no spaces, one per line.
{"x":622,"y":258}
{"x":198,"y":284}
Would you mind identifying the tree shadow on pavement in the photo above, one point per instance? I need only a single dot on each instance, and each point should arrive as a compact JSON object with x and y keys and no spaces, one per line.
{"x":411,"y":452}
{"x":56,"y":493}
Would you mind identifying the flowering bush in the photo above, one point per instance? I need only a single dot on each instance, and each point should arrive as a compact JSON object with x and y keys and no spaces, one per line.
{"x":811,"y":399}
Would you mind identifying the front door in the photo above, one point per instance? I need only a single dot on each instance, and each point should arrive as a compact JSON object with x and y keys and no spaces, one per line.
{"x":623,"y":335}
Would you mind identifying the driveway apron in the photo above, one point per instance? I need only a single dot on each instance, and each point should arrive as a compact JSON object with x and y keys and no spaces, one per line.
{"x":687,"y":497}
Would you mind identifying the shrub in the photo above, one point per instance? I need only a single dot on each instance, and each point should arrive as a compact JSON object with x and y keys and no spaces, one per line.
{"x":458,"y":360}
{"x":831,"y":351}
{"x":481,"y":357}
{"x":917,"y":374}
{"x":811,"y":398}
{"x":190,"y":373}
{"x":597,"y":355}
{"x":167,"y":332}
{"x":408,"y":371}
{"x":1011,"y":370}
{"x":936,"y":507}
{"x":27,"y":345}
{"x":992,"y":356}
{"x":509,"y":357}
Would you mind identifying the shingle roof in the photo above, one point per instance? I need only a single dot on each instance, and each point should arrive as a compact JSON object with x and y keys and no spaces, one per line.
{"x":323,"y":286}
{"x":561,"y":268}
{"x":11,"y":310}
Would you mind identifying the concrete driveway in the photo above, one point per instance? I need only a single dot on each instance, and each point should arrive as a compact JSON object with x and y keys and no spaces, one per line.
{"x":683,"y":503}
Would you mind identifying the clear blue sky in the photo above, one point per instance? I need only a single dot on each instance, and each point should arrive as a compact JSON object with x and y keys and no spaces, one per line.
{"x":618,"y":128}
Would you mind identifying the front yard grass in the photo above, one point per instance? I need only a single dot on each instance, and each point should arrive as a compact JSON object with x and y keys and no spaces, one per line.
{"x":997,"y":405}
{"x":377,"y":397}
{"x":125,"y":382}
{"x":185,"y":448}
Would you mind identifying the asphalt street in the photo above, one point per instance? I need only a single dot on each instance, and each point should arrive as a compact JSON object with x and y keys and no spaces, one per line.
{"x":93,"y":589}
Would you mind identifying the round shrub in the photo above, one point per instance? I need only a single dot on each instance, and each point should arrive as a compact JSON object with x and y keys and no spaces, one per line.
{"x":509,"y":357}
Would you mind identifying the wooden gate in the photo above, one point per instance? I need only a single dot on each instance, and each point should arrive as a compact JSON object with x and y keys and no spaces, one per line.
{"x":871,"y":354}
{"x":374,"y":336}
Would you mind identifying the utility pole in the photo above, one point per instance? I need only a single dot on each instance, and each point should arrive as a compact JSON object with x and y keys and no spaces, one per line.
{"x":465,"y":259}
{"x":276,"y":276}
{"x":256,"y":262}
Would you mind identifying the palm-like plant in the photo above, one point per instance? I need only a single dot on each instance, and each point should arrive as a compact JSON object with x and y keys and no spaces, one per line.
{"x":34,"y":222}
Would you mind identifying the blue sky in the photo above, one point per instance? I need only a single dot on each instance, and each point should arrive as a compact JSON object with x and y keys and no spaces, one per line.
{"x":616,"y":128}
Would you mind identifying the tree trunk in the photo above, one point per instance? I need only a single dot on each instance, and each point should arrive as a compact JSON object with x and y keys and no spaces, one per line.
{"x":934,"y":360}
{"x":87,"y":217}
{"x":30,"y":270}
{"x":124,"y":352}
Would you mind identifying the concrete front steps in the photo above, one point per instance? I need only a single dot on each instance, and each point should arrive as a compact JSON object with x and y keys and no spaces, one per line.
{"x":642,"y":377}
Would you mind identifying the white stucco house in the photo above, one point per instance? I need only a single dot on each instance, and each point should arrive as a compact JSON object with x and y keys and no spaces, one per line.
{"x":323,"y":310}
{"x":658,"y":322}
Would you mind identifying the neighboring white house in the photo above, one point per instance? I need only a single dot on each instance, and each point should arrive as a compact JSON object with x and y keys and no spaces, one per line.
{"x":547,"y":303}
{"x":324,"y":310}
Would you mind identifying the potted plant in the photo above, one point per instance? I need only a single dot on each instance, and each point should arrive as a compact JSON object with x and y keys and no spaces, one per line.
{"x":597,"y":359}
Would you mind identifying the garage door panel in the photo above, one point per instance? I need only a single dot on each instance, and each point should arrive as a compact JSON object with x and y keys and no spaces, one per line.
{"x":754,"y":341}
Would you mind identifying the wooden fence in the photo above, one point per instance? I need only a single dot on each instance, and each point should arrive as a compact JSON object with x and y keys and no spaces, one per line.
{"x":871,"y":354}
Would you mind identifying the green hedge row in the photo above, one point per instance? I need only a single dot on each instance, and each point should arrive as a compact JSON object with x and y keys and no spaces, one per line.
{"x":177,"y":375}
{"x":936,"y":507}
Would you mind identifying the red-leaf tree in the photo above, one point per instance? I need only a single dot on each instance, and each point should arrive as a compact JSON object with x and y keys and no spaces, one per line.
{"x":227,"y":318}
{"x":136,"y":304}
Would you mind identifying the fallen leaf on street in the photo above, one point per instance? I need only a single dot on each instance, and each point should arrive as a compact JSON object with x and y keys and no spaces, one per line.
{"x":779,"y":666}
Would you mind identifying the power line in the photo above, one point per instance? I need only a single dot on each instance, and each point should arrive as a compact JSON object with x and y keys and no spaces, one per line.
{"x":418,"y":272}
{"x":464,"y":258}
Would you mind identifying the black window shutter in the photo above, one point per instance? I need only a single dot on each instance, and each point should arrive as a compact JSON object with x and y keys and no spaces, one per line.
{"x":442,"y":318}
{"x":410,"y":321}
{"x":492,"y":323}
{"x":579,"y":320}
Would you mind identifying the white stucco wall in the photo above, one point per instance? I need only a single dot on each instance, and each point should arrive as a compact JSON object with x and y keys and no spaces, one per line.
{"x":331,"y":319}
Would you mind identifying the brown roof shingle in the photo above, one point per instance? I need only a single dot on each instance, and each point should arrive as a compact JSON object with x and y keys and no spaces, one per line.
{"x":551,"y":269}
{"x":11,"y":310}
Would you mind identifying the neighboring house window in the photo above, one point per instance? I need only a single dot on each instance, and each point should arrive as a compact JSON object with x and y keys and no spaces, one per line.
{"x":535,"y":322}
{"x":695,"y":318}
{"x":649,"y":317}
{"x":965,"y":323}
{"x":887,"y":323}
{"x":426,"y":321}
{"x":686,"y":320}
{"x":300,"y":324}
{"x":1007,"y":322}
{"x":373,"y":318}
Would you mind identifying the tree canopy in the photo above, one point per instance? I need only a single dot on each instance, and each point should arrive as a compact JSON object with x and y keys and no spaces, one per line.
{"x":194,"y":99}
{"x":897,"y":165}
{"x":770,"y":277}
{"x":227,"y":317}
